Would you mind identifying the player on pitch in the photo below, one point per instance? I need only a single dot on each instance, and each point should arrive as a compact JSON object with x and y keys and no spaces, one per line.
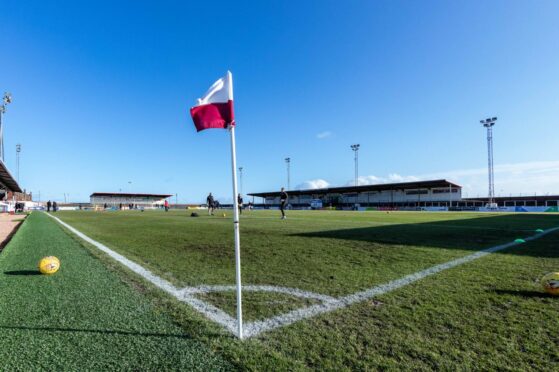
{"x":283,"y":202}
{"x":211,"y":204}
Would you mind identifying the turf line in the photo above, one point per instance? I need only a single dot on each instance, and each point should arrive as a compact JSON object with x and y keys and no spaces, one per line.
{"x":329,"y":304}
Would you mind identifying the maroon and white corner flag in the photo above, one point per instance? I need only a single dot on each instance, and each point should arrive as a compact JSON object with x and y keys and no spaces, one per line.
{"x":215,"y":108}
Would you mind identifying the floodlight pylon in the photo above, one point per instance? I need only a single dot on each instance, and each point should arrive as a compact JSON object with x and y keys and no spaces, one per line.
{"x":489,"y":123}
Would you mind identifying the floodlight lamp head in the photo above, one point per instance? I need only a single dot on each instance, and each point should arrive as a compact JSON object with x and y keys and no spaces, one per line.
{"x":355,"y":147}
{"x":287,"y":160}
{"x":7,"y":97}
{"x":489,"y":122}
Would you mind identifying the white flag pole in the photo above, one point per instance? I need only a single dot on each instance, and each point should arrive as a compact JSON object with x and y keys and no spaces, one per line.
{"x":237,"y":234}
{"x":236,"y":224}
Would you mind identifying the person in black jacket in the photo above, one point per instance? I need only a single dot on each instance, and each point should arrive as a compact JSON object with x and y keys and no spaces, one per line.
{"x":283,"y":202}
{"x":211,"y":204}
{"x":49,"y":204}
{"x":240,"y":202}
{"x":54,"y":206}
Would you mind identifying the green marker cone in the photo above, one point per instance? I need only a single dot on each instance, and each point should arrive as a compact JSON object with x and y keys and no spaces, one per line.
{"x":520,"y":240}
{"x":539,"y":231}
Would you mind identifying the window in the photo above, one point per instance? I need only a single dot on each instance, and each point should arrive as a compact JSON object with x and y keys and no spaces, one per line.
{"x":416,"y":192}
{"x":444,"y":191}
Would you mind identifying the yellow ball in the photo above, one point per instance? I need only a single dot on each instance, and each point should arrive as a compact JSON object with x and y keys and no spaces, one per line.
{"x":550,"y":283}
{"x":224,"y":215}
{"x":49,"y":265}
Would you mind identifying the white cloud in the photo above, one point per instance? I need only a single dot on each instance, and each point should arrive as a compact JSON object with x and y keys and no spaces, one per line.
{"x":372,"y":180}
{"x":365,"y":180}
{"x":394,"y":177}
{"x":323,"y":135}
{"x":527,"y":178}
{"x":313,"y":184}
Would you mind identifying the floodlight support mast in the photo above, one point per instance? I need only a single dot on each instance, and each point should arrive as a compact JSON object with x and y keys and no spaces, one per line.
{"x":18,"y":150}
{"x":491,"y":191}
{"x":241,"y":179}
{"x":288,"y":162}
{"x":2,"y":111}
{"x":6,"y":100}
{"x":355,"y":149}
{"x":489,"y":123}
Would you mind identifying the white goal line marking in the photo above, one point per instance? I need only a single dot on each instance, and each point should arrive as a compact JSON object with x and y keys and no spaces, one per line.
{"x":327,"y":304}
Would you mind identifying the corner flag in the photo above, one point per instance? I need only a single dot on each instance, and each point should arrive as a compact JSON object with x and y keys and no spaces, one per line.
{"x":215,"y":110}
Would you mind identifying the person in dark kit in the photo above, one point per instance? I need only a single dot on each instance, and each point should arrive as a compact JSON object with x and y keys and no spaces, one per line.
{"x":105,"y":206}
{"x":283,"y":203}
{"x":166,"y":206}
{"x":49,"y":204}
{"x":120,"y":206}
{"x":216,"y":204}
{"x":54,"y":206}
{"x":211,"y":204}
{"x":240,"y":202}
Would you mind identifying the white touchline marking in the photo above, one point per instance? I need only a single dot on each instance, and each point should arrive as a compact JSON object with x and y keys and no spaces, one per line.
{"x":328,"y":303}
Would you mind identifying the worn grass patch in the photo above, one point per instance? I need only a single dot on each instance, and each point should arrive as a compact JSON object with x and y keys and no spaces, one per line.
{"x":262,"y":305}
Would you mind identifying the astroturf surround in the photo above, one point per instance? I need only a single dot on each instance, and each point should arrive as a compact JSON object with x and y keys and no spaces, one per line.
{"x":83,"y":317}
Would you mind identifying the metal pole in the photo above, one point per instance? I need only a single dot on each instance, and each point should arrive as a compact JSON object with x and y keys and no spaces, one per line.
{"x":18,"y":150}
{"x":6,"y":99}
{"x":2,"y":110}
{"x":237,"y":235}
{"x":488,"y":123}
{"x":241,"y":178}
{"x":490,"y":164}
{"x":449,"y":196}
{"x":357,"y":167}
{"x":355,"y":149}
{"x":289,"y":175}
{"x":288,"y":161}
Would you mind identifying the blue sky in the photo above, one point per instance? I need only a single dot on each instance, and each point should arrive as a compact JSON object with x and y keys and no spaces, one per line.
{"x":101,"y":92}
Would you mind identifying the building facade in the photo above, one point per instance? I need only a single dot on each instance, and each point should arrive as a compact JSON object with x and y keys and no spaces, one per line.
{"x":127,"y":200}
{"x":436,"y":193}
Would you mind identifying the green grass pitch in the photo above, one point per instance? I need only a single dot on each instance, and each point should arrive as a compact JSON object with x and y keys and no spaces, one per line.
{"x":486,"y":314}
